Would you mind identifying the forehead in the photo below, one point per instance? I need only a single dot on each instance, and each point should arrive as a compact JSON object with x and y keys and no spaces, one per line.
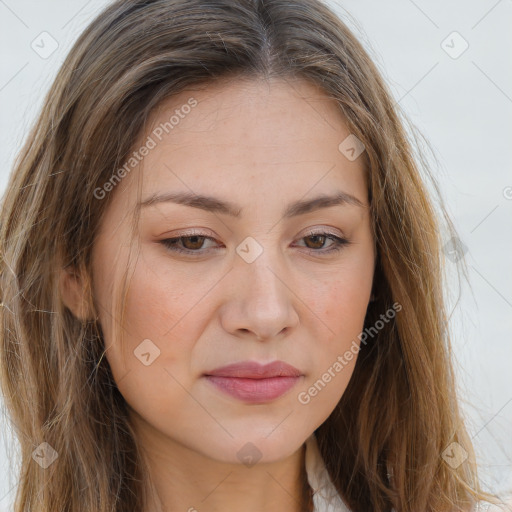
{"x":248,"y":112}
{"x":270,"y":137}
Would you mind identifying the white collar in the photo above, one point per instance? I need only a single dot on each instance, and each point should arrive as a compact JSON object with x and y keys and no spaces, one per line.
{"x":325,"y":497}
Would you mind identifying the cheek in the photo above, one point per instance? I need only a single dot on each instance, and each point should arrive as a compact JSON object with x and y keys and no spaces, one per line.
{"x":342,"y":308}
{"x":151,"y":365}
{"x":345,"y":313}
{"x":341,"y":304}
{"x":160,"y":310}
{"x":156,"y":332}
{"x":344,"y":302}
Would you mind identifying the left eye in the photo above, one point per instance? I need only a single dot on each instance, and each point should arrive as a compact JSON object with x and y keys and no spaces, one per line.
{"x":321,"y":238}
{"x":193,"y":243}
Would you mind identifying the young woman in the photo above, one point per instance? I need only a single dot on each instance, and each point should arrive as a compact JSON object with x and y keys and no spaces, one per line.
{"x":221,"y":276}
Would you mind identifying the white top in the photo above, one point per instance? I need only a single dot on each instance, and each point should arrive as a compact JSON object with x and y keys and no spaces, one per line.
{"x":325,"y":495}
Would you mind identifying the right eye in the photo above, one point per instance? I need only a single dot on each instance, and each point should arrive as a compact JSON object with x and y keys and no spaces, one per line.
{"x":190,"y":244}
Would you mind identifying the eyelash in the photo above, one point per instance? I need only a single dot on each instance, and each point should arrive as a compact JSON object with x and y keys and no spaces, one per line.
{"x":339,"y":243}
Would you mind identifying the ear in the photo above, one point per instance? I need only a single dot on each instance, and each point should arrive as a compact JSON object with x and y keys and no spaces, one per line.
{"x":74,"y":289}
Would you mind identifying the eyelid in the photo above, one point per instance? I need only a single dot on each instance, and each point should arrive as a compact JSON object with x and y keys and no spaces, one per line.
{"x":323,"y":230}
{"x":190,"y":232}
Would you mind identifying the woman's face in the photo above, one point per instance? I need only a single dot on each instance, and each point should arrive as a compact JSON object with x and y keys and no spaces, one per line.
{"x":260,"y":280}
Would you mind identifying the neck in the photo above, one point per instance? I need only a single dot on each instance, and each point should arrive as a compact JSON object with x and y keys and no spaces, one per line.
{"x":218,"y":486}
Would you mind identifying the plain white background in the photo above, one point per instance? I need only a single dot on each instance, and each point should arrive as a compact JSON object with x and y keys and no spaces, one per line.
{"x":455,"y":87}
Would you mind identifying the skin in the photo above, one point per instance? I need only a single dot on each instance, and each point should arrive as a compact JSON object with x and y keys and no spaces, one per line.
{"x":262,"y":145}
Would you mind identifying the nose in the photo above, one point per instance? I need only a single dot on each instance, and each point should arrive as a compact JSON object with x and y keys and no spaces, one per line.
{"x":264,"y":304}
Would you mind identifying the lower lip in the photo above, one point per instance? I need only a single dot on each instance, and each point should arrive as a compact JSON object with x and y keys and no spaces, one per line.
{"x":254,"y":390}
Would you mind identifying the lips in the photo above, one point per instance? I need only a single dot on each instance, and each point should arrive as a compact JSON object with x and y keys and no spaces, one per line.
{"x":252,"y":382}
{"x":254,"y":370}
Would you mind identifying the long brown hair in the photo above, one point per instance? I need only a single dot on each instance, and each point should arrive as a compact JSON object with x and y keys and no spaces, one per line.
{"x":383,"y":443}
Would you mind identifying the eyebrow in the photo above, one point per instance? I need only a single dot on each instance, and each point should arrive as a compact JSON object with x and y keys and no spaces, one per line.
{"x":215,"y":205}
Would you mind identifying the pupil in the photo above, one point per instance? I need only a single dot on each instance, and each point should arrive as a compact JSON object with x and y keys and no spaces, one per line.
{"x":196,"y":244}
{"x":321,"y":237}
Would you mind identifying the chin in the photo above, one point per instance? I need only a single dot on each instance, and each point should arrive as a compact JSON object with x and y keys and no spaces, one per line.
{"x":255,"y":447}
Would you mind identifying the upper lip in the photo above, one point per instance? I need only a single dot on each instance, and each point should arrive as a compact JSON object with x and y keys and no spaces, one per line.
{"x":254,"y":370}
